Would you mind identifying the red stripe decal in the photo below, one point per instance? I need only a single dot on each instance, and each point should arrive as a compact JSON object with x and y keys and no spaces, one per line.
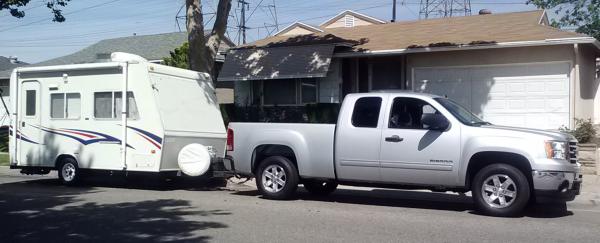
{"x":78,"y":133}
{"x":150,"y":140}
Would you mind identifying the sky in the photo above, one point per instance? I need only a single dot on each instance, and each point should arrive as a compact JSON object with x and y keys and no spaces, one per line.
{"x":36,"y":38}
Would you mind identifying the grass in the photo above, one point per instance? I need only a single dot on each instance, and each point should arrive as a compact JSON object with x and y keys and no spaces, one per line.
{"x":4,"y":160}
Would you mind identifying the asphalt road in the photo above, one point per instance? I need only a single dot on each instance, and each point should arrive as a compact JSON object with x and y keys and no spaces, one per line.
{"x":38,"y":208}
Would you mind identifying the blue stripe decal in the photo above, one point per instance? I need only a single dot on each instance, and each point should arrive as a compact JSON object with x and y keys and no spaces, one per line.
{"x":150,"y":135}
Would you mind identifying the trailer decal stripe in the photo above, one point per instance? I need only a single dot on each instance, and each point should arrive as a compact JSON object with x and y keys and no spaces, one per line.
{"x":149,"y":140}
{"x":156,"y":139}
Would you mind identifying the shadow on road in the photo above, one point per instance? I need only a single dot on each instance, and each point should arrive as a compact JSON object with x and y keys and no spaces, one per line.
{"x":42,"y":210}
{"x":418,"y":200}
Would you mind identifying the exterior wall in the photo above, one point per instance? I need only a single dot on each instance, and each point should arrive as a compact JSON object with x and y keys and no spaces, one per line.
{"x":586,"y":89}
{"x":329,"y":87}
{"x":341,"y":22}
{"x":297,"y":31}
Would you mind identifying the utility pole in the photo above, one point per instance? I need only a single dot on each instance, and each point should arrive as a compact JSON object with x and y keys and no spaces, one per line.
{"x":394,"y":12}
{"x":242,"y":28}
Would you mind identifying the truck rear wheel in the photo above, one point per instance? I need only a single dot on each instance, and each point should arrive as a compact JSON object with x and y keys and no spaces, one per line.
{"x":277,"y":178}
{"x":320,"y":188}
{"x":500,"y":190}
{"x":69,"y":172}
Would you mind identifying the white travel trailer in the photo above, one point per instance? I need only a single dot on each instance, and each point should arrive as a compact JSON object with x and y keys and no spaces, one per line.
{"x":73,"y":118}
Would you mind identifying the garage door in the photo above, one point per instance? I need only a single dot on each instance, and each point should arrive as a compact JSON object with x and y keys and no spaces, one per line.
{"x":531,"y":95}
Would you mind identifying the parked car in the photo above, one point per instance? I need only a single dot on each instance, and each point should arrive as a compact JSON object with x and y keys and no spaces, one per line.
{"x":409,"y":140}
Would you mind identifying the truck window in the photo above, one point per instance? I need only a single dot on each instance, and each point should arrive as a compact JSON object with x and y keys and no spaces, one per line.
{"x":30,"y":103}
{"x":406,"y":113}
{"x":366,"y":112}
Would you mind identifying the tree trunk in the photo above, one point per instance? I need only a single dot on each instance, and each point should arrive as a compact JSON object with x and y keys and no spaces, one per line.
{"x":203,"y":50}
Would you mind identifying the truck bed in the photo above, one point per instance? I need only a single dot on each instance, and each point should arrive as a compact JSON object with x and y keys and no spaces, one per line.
{"x":312,"y":144}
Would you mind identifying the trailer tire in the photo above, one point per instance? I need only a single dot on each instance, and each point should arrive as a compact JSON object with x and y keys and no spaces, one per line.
{"x":277,"y":178}
{"x":320,"y":188}
{"x":69,"y":172}
{"x":500,"y":190}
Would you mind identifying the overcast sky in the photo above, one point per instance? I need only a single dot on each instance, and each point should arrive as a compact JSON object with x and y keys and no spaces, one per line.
{"x":36,"y":38}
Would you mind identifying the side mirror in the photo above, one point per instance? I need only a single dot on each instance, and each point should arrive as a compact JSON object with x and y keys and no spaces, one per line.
{"x":435,"y":121}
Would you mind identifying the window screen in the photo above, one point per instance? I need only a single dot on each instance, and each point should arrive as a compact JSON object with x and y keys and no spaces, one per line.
{"x":309,"y":91}
{"x":57,"y":105}
{"x":366,"y":112}
{"x":132,"y":111}
{"x":103,"y":105}
{"x":279,"y":92}
{"x":30,"y":99}
{"x":73,"y":105}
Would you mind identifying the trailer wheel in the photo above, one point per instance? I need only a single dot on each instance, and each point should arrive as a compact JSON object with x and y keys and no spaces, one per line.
{"x":277,"y":178}
{"x":69,"y":172}
{"x":320,"y":188}
{"x":500,"y":190}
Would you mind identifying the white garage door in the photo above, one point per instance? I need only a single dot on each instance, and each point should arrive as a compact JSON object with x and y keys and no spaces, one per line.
{"x":528,"y":95}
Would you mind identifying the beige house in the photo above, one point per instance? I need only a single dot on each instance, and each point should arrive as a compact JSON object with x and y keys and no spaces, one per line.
{"x":345,"y":19}
{"x":509,"y":68}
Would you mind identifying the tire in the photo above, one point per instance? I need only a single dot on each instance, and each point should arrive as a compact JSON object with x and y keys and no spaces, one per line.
{"x":285,"y":173}
{"x":69,"y":172}
{"x":500,"y":190}
{"x":320,"y":188}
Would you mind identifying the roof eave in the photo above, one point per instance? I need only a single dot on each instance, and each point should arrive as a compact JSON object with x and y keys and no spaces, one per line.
{"x":562,"y":41}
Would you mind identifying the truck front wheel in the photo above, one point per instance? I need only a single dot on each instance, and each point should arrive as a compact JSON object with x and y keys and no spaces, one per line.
{"x":277,"y":178}
{"x":500,"y":190}
{"x":320,"y":188}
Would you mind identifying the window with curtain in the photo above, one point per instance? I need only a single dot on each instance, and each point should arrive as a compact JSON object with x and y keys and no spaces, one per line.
{"x":309,"y":90}
{"x":73,"y":103}
{"x":30,"y":102}
{"x":57,"y":105}
{"x":132,"y":111}
{"x":65,"y":105}
{"x":103,"y":104}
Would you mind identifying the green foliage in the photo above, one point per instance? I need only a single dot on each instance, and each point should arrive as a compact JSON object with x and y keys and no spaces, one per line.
{"x":582,"y":14}
{"x":4,"y":160}
{"x":584,"y":130}
{"x":3,"y":142}
{"x":15,"y":7}
{"x":179,"y":57}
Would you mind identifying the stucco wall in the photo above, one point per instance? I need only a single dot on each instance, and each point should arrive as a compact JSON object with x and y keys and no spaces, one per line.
{"x":587,"y":88}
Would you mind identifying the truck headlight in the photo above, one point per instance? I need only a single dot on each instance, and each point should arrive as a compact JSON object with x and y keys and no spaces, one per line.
{"x":556,"y":150}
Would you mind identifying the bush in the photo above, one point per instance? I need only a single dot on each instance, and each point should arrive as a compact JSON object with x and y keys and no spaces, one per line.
{"x":584,"y":130}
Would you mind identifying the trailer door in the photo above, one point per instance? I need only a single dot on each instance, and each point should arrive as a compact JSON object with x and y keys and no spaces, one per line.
{"x":29,"y":119}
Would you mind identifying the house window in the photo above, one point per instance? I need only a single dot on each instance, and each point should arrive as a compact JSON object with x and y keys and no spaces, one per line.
{"x":108,"y":105}
{"x":597,"y":68}
{"x":287,"y":91}
{"x":348,"y":21}
{"x":64,"y":105}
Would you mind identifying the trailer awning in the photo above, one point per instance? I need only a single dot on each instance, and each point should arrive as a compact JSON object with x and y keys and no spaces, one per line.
{"x":311,"y":61}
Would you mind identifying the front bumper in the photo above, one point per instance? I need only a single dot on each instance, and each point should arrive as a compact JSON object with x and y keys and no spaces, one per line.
{"x":556,"y":186}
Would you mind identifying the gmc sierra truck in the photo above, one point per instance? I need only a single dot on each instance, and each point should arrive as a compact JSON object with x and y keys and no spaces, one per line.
{"x":412,"y":141}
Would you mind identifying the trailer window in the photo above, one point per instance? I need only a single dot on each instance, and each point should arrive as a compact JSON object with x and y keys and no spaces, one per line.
{"x":65,"y":105}
{"x":30,"y":103}
{"x":366,"y":112}
{"x":103,"y":105}
{"x":108,"y":105}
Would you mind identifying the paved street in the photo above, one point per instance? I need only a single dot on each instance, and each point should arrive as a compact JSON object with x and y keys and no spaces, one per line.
{"x":38,"y":208}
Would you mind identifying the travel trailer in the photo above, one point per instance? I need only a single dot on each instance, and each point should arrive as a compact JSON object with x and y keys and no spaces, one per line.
{"x":74,"y":118}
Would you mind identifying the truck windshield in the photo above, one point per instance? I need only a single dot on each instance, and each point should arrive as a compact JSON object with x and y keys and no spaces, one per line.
{"x":461,"y":113}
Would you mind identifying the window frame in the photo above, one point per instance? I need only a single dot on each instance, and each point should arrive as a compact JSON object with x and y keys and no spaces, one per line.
{"x":391,"y":109}
{"x":297,"y":91}
{"x":381,"y":105}
{"x":113,"y":110}
{"x":64,"y":94}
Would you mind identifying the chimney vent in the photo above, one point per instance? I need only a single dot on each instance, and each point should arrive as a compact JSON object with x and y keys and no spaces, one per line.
{"x":13,"y":59}
{"x":485,"y":11}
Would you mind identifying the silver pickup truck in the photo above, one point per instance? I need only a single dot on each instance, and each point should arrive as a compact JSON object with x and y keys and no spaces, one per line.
{"x":412,"y":141}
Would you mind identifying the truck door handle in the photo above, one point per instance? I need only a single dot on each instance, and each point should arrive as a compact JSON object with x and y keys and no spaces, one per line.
{"x":394,"y":139}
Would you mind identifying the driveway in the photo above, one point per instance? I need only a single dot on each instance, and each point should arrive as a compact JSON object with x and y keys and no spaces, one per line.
{"x":38,"y":208}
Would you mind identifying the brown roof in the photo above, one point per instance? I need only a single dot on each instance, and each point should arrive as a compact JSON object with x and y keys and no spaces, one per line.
{"x":477,"y":29}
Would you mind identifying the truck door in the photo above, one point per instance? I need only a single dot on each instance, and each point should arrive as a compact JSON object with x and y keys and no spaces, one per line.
{"x":357,"y":139}
{"x":411,"y":153}
{"x":29,"y":119}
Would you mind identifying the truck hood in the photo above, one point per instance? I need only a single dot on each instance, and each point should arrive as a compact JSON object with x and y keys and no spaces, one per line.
{"x":550,"y":135}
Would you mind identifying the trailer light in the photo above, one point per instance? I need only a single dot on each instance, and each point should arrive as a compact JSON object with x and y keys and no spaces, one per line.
{"x":229,"y":139}
{"x":153,"y":151}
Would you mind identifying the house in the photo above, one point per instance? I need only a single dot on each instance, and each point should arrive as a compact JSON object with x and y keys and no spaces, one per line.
{"x":152,"y":47}
{"x":7,"y":63}
{"x":346,"y":19}
{"x":508,"y":68}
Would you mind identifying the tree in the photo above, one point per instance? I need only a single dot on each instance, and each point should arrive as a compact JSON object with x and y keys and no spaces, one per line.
{"x":582,"y":14}
{"x":15,"y":7}
{"x":179,"y":57}
{"x":203,"y":49}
